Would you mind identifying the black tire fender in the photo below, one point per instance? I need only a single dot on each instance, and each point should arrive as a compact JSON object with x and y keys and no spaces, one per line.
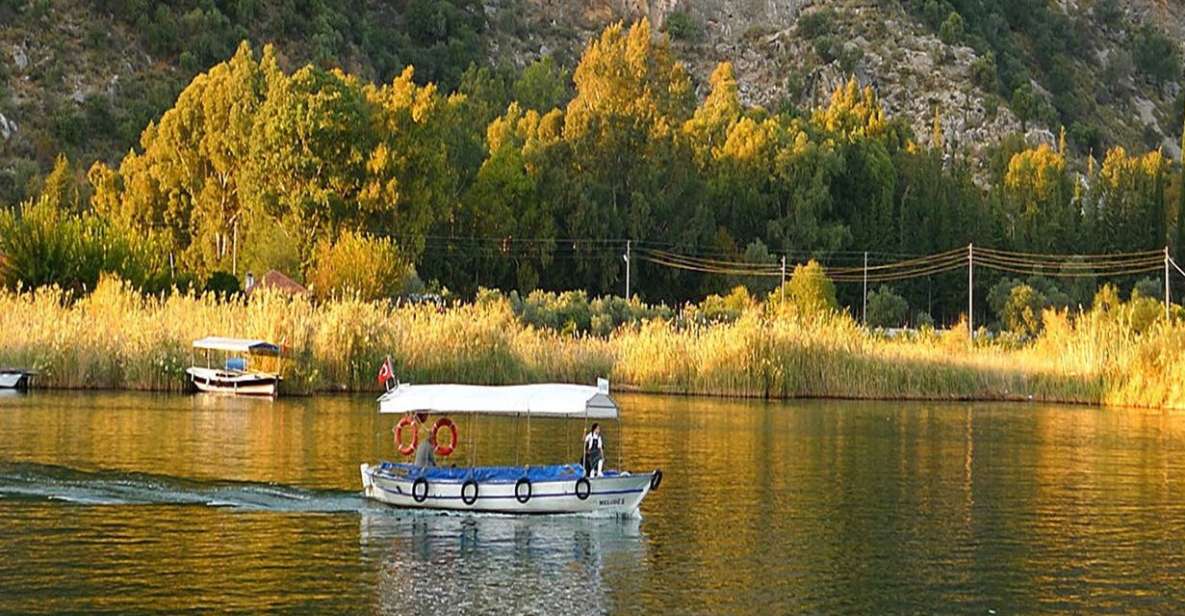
{"x":466,"y":499}
{"x":518,"y":493}
{"x":419,"y":494}
{"x":656,"y":479}
{"x":583,"y":488}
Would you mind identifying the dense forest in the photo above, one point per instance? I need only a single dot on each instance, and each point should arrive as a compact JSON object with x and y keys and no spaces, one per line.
{"x":536,"y":179}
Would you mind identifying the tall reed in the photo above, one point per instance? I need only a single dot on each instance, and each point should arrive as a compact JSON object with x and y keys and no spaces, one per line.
{"x":118,"y":338}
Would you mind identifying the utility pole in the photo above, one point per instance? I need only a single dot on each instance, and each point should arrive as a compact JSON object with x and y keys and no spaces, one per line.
{"x":864,"y":312}
{"x":971,"y":291}
{"x":1166,"y":281}
{"x":783,"y":287}
{"x":626,"y":257}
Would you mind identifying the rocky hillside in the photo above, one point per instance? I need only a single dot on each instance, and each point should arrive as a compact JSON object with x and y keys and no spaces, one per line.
{"x":1107,"y":70}
{"x":85,"y":77}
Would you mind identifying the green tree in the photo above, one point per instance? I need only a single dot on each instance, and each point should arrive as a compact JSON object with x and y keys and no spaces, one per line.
{"x":808,"y":292}
{"x":952,"y":28}
{"x":1038,"y":210}
{"x":1025,"y":105}
{"x":886,"y":308}
{"x":189,"y":176}
{"x":543,"y":85}
{"x":632,"y":178}
{"x":61,"y":188}
{"x":1158,"y":56}
{"x":1022,"y":312}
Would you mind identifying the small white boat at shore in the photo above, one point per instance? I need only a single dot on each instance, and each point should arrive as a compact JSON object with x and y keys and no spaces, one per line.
{"x":15,"y":378}
{"x":551,"y":488}
{"x":234,"y":376}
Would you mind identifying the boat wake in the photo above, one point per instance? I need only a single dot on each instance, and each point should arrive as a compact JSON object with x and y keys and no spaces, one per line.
{"x":42,"y":482}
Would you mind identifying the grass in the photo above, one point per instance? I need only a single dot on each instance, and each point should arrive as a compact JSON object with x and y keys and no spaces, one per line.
{"x":116,"y":338}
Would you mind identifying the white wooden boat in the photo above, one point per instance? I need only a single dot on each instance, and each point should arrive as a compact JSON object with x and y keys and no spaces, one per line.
{"x":233,"y":377}
{"x":548,"y":488}
{"x":14,"y":378}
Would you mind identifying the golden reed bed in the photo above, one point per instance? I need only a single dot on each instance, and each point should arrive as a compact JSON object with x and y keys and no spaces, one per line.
{"x":116,"y":338}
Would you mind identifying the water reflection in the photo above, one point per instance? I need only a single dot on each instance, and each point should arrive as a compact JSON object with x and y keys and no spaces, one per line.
{"x":434,"y":564}
{"x":803,"y":507}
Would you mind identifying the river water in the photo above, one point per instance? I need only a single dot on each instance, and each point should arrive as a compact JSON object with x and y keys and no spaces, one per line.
{"x":116,"y":503}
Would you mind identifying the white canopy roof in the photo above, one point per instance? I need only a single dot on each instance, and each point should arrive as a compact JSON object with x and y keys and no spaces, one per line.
{"x":237,"y":345}
{"x":548,"y":400}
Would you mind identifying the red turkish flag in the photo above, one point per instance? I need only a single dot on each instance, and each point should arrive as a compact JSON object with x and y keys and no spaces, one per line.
{"x":385,"y":372}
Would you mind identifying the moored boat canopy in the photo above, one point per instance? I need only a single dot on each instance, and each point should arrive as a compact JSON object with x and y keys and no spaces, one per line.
{"x":545,"y":400}
{"x":237,"y":345}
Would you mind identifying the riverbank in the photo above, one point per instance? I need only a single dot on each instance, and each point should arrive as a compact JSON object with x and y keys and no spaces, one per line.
{"x":116,"y":338}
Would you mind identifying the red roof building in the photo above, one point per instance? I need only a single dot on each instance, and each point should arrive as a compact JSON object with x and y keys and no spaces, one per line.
{"x":275,"y":281}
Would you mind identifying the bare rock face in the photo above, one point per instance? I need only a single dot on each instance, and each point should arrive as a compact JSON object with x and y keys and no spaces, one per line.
{"x":7,"y":128}
{"x":19,"y":58}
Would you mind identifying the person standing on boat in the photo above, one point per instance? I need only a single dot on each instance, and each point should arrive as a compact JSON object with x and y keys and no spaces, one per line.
{"x":594,"y":452}
{"x":425,"y":452}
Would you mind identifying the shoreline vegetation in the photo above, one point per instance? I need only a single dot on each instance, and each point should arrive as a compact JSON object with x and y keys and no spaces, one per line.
{"x":1114,"y":353}
{"x":574,"y":176}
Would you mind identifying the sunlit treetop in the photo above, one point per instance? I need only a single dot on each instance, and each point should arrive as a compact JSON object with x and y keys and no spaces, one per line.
{"x":853,"y":112}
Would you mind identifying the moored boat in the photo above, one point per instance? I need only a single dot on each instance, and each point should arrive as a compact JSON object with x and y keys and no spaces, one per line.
{"x":549,"y":488}
{"x":15,"y":378}
{"x":234,"y":376}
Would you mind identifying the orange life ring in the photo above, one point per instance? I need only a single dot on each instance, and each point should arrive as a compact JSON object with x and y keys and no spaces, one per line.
{"x":443,"y":450}
{"x":406,"y":450}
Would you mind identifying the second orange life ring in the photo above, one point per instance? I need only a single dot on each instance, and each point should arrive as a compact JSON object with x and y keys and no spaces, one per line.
{"x":443,"y":450}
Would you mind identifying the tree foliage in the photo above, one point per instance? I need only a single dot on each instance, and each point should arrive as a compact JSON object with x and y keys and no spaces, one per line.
{"x":360,"y":266}
{"x":886,"y":308}
{"x":534,"y":181}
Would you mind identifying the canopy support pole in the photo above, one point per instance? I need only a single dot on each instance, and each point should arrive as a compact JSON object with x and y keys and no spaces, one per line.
{"x":620,"y":443}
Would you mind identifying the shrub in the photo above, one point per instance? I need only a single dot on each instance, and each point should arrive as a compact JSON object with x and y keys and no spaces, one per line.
{"x":886,"y":308}
{"x":1147,"y":287}
{"x":222,"y":283}
{"x":1144,"y":312}
{"x":808,"y":292}
{"x":568,"y":311}
{"x":1108,"y":12}
{"x":828,"y":47}
{"x":1025,"y":104}
{"x":816,"y":23}
{"x":1022,"y":312}
{"x":682,"y":26}
{"x":1156,"y":55}
{"x":952,"y":29}
{"x":358,"y":264}
{"x":721,"y":309}
{"x":1087,"y":136}
{"x":45,"y":245}
{"x":850,"y":56}
{"x":983,"y":73}
{"x":571,"y":312}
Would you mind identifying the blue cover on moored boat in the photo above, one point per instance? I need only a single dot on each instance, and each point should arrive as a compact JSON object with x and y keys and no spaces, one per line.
{"x":487,"y":474}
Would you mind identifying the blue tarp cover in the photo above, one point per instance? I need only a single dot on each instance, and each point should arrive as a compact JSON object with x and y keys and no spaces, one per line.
{"x":486,"y":474}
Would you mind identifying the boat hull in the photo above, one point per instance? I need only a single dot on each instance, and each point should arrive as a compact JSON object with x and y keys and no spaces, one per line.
{"x":14,"y":380}
{"x":615,"y":495}
{"x":234,"y":383}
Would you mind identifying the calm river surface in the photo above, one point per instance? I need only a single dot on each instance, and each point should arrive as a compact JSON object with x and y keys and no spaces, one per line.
{"x":145,"y":503}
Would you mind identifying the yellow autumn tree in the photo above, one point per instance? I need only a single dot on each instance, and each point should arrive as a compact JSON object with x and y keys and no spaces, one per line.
{"x":1037,"y":199}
